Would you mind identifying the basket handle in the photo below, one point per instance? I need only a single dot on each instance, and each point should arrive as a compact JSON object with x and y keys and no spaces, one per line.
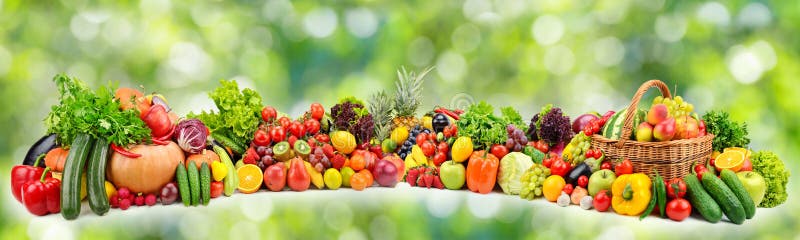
{"x":627,"y":128}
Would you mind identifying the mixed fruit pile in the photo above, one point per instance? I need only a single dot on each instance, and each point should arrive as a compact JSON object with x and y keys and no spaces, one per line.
{"x":119,"y":147}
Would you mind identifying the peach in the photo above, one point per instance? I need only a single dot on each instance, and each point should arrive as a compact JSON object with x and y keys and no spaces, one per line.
{"x":657,"y":114}
{"x":665,"y":130}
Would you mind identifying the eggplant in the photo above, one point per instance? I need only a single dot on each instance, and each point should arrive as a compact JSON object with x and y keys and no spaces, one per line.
{"x":581,"y":170}
{"x":44,"y":145}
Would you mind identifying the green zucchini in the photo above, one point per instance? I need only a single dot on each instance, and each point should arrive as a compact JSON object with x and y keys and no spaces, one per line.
{"x":183,"y":184}
{"x":700,"y":199}
{"x":229,"y":143}
{"x":96,"y":178}
{"x":231,"y":181}
{"x":205,"y":183}
{"x":71,"y":179}
{"x":732,"y":181}
{"x":726,"y":199}
{"x":194,"y":184}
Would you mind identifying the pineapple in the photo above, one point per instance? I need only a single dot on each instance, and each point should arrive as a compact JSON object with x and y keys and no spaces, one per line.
{"x":407,"y":99}
{"x":380,"y":106}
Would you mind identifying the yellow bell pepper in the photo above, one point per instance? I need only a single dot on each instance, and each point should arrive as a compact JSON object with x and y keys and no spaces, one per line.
{"x":631,"y":194}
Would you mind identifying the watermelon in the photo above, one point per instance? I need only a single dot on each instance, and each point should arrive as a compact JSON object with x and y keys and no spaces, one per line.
{"x":613,"y":128}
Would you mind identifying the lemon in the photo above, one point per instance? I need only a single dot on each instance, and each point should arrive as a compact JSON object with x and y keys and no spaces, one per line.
{"x":110,"y":189}
{"x":462,"y":149}
{"x":333,"y":179}
{"x":399,"y":134}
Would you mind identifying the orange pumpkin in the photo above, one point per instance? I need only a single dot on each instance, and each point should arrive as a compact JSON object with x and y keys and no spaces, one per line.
{"x":204,"y":156}
{"x":148,"y":173}
{"x":55,"y":159}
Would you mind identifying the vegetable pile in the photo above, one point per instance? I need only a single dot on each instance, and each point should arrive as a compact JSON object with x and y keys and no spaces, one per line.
{"x":237,"y":116}
{"x":480,"y":123}
{"x":550,"y":125}
{"x":776,"y":175}
{"x":727,"y":133}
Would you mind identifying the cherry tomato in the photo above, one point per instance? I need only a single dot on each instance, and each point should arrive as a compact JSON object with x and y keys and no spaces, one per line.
{"x":605,"y":165}
{"x":312,"y":126}
{"x":297,"y":129}
{"x":443,"y":147}
{"x":261,"y":138}
{"x":216,"y":189}
{"x":292,"y":140}
{"x":700,"y":169}
{"x":624,"y":167}
{"x":268,"y":114}
{"x":583,"y":181}
{"x":568,"y":189}
{"x":427,"y":148}
{"x":676,"y":188}
{"x":421,"y":137}
{"x":323,"y":138}
{"x":679,"y":209}
{"x":317,"y":111}
{"x":597,"y":154}
{"x":277,"y":133}
{"x":285,"y":122}
{"x":590,"y":153}
{"x":439,"y":158}
{"x":499,"y":151}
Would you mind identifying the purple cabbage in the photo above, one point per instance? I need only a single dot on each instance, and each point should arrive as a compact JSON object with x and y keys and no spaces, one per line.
{"x":191,"y":134}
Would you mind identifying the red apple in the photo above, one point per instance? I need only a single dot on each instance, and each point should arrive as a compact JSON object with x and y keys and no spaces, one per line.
{"x":386,"y":173}
{"x":657,"y":114}
{"x":401,"y":166}
{"x":665,"y":130}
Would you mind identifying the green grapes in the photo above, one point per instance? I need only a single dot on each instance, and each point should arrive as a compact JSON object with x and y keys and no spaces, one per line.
{"x":677,"y":107}
{"x":575,"y":152}
{"x":532,"y":181}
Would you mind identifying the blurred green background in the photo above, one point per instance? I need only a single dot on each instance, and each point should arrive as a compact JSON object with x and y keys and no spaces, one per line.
{"x":581,"y":55}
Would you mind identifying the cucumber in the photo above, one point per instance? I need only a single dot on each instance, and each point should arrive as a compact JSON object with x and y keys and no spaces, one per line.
{"x":194,"y":184}
{"x":229,"y":143}
{"x":96,"y":178}
{"x":732,"y":181}
{"x":727,"y":200}
{"x":205,"y":183}
{"x":231,"y":181}
{"x":183,"y":184}
{"x":700,"y":199}
{"x":71,"y":178}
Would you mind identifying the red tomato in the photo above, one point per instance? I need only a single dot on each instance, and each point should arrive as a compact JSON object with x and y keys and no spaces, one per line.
{"x":427,"y":148}
{"x":601,"y":201}
{"x":679,"y":209}
{"x":297,"y":129}
{"x":568,"y":189}
{"x":439,"y":158}
{"x":583,"y":181}
{"x":312,"y":126}
{"x":158,"y":121}
{"x":268,"y":114}
{"x":559,"y":167}
{"x":624,"y":167}
{"x":676,"y":188}
{"x":547,"y":162}
{"x":597,"y":154}
{"x":421,"y":137}
{"x":216,"y":189}
{"x":700,"y":169}
{"x":443,"y":147}
{"x":746,"y":166}
{"x":605,"y":165}
{"x":323,"y":138}
{"x":499,"y":151}
{"x":317,"y":111}
{"x":292,"y":140}
{"x":277,"y":133}
{"x":285,"y":122}
{"x":261,"y":138}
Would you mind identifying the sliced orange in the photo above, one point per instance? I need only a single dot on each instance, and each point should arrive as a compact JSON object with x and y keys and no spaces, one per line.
{"x":738,"y":149}
{"x":250,"y":178}
{"x":732,"y":160}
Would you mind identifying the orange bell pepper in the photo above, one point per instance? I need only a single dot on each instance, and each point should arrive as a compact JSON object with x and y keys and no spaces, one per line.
{"x":482,"y":172}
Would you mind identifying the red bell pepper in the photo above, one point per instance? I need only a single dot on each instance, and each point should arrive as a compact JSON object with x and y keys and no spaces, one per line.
{"x":22,"y":174}
{"x":42,"y":196}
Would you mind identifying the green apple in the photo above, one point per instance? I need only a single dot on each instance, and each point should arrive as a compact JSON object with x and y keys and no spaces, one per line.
{"x":346,"y":172}
{"x":453,"y":175}
{"x":601,"y":180}
{"x":754,"y":184}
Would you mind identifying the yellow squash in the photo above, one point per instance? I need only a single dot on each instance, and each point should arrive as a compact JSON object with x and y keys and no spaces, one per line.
{"x":631,"y":194}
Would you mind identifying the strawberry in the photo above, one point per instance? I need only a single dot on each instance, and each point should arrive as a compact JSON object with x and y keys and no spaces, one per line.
{"x":328,"y":150}
{"x":437,"y":183}
{"x":428,"y":178}
{"x":337,"y":161}
{"x":251,"y":156}
{"x":412,"y":176}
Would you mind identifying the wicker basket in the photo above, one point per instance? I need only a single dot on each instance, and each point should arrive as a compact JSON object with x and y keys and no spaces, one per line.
{"x":672,"y":159}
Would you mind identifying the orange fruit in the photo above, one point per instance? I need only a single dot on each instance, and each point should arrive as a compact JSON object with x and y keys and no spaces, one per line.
{"x":359,"y":181}
{"x":250,"y":178}
{"x":357,"y":162}
{"x":370,"y":179}
{"x":732,"y":160}
{"x":738,"y":149}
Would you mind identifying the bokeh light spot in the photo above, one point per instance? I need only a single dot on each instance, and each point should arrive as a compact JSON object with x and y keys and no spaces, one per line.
{"x":451,"y":66}
{"x":744,"y":65}
{"x":5,"y":60}
{"x":466,"y":37}
{"x":714,"y":13}
{"x":670,"y":28}
{"x":421,"y":51}
{"x":608,"y":51}
{"x":755,"y":14}
{"x":559,"y":60}
{"x":361,"y":22}
{"x":320,"y":23}
{"x":547,"y":30}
